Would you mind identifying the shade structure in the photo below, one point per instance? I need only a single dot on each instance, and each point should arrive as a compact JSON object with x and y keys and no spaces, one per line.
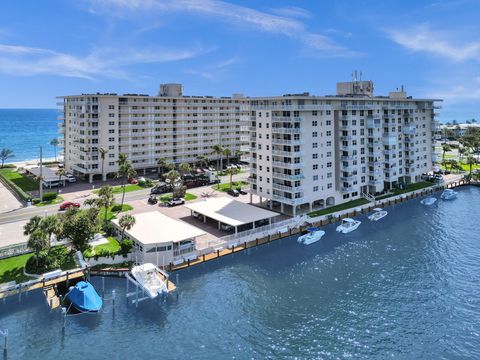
{"x":84,"y":297}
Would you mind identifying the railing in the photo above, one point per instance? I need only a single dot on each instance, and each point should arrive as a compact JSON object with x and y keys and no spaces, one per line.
{"x":16,"y":249}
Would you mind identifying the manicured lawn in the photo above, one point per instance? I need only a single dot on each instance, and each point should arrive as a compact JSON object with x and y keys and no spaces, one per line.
{"x":23,"y":182}
{"x":56,"y":201}
{"x":111,"y":213}
{"x":348,"y":205}
{"x":128,"y":188}
{"x":111,"y":247}
{"x":11,"y":269}
{"x":187,"y":197}
{"x":226,"y":186}
{"x":409,"y":188}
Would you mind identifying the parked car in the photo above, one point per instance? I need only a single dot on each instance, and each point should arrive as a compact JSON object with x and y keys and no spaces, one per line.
{"x":242,"y":192}
{"x":159,"y":189}
{"x":152,"y":200}
{"x":70,"y":178}
{"x":227,"y":227}
{"x":132,"y":181}
{"x":175,"y":202}
{"x":68,"y":204}
{"x":233,"y":192}
{"x":195,"y":214}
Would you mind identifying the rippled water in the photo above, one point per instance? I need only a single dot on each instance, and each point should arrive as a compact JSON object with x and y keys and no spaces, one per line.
{"x":407,"y":287}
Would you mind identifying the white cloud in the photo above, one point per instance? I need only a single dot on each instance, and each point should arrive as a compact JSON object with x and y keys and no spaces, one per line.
{"x":214,"y":71}
{"x":22,"y":60}
{"x":441,"y":43}
{"x":234,"y":14}
{"x":292,"y":11}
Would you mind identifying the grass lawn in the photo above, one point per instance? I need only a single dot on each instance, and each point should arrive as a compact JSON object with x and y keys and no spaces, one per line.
{"x":128,"y":188}
{"x":23,"y":182}
{"x":226,"y":186}
{"x":409,"y":188}
{"x":187,"y":197}
{"x":112,"y":247}
{"x":56,"y":201}
{"x":348,"y":205}
{"x":11,"y":269}
{"x":111,"y":214}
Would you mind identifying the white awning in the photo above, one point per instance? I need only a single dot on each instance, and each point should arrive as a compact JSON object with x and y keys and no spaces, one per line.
{"x":156,"y":228}
{"x":230,"y":212}
{"x":48,"y":174}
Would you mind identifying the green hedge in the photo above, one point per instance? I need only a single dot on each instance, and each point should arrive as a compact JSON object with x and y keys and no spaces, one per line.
{"x":15,"y":188}
{"x":49,"y":196}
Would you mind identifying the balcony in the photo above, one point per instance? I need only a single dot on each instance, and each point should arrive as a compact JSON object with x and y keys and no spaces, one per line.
{"x":346,"y":138}
{"x":347,"y":189}
{"x":285,"y":130}
{"x":287,"y":153}
{"x":279,"y":175}
{"x":288,"y":201}
{"x":348,"y":158}
{"x":390,"y":140}
{"x":286,"y":119}
{"x":376,"y":182}
{"x":348,"y":178}
{"x":291,"y":189}
{"x":286,"y":142}
{"x":287,"y":165}
{"x":390,"y":152}
{"x":374,"y":123}
{"x":409,"y":130}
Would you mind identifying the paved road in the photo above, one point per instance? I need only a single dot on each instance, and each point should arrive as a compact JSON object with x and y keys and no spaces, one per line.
{"x":28,"y":212}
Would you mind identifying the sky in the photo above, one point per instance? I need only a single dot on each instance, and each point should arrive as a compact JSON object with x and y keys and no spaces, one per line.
{"x":258,"y":48}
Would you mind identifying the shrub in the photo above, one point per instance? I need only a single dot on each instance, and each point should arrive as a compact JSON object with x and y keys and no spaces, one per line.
{"x":49,"y":196}
{"x":116,"y":207}
{"x":8,"y":166}
{"x":36,"y":201}
{"x":109,"y":229}
{"x":126,"y":245}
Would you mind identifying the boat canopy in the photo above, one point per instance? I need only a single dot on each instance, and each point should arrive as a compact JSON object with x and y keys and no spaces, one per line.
{"x":312,"y":229}
{"x":84,"y":297}
{"x":377,"y":209}
{"x":349,"y":220}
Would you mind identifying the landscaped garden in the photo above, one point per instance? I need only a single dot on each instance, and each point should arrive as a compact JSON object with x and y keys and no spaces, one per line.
{"x":226,"y":186}
{"x":166,"y":197}
{"x":340,"y":207}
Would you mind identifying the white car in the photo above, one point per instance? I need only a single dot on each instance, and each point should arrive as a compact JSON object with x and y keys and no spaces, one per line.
{"x":227,"y":227}
{"x":70,"y":178}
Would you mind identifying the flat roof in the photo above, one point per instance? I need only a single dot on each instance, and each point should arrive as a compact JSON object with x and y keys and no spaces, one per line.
{"x":231,"y":212}
{"x":48,"y":174}
{"x":156,"y":228}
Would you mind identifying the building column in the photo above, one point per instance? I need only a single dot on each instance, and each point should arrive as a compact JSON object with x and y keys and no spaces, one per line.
{"x":294,"y":210}
{"x":261,"y":199}
{"x":270,"y":221}
{"x":236,"y":229}
{"x":253,"y":225}
{"x":204,"y":219}
{"x":251,"y":196}
{"x":270,"y":204}
{"x":90,"y":178}
{"x":219,"y":225}
{"x":281,"y":207}
{"x":310,"y":206}
{"x":104,"y":177}
{"x":145,"y":171}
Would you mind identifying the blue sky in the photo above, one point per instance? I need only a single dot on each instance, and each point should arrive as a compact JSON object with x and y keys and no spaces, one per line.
{"x":50,"y":48}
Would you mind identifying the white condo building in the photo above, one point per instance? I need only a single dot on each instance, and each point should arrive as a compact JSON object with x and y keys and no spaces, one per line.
{"x":171,"y":126}
{"x":309,"y":152}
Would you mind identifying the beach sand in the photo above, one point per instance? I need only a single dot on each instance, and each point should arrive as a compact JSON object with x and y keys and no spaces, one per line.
{"x":33,"y":162}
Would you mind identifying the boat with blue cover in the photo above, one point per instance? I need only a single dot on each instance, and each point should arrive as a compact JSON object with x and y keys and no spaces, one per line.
{"x":84,"y":297}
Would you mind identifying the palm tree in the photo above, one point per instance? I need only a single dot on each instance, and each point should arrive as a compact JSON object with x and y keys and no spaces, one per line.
{"x":162,"y":163}
{"x":5,"y":154}
{"x":185,"y":168}
{"x":202,"y":161}
{"x":106,"y":200}
{"x":470,"y":161}
{"x":238,"y":154}
{"x":446,"y":148}
{"x":60,"y":172}
{"x":103,"y":152}
{"x":126,"y":222}
{"x":173,"y":178}
{"x":227,"y":152}
{"x":125,"y":172}
{"x":50,"y":225}
{"x":232,"y":171}
{"x":32,"y":225}
{"x":461,"y":151}
{"x":38,"y":242}
{"x":54,"y":142}
{"x":218,"y":150}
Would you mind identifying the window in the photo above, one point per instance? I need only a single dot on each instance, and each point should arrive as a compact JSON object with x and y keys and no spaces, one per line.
{"x":329,"y":133}
{"x":111,"y":107}
{"x":315,"y":188}
{"x":111,"y":139}
{"x":315,"y":167}
{"x":328,"y":122}
{"x":111,"y":163}
{"x":314,"y":113}
{"x":111,"y":123}
{"x":329,"y":185}
{"x":315,"y":123}
{"x":111,"y":131}
{"x":329,"y":175}
{"x":314,"y":145}
{"x":315,"y":177}
{"x":314,"y":134}
{"x":329,"y":164}
{"x":314,"y":156}
{"x":111,"y":156}
{"x":111,"y":115}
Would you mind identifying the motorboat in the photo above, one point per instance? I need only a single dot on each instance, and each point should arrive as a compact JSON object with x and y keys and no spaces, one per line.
{"x":448,"y":194}
{"x":428,"y":201}
{"x":84,"y":297}
{"x":151,"y":279}
{"x":314,"y":234}
{"x":348,"y":225}
{"x":378,"y":214}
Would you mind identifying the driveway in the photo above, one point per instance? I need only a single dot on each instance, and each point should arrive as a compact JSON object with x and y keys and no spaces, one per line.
{"x":8,"y":202}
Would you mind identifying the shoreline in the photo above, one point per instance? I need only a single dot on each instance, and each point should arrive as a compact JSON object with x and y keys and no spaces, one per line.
{"x":23,"y":163}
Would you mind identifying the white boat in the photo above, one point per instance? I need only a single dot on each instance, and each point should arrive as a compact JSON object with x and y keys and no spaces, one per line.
{"x":448,"y":194}
{"x":348,"y":225}
{"x":151,"y":279}
{"x":428,"y":201}
{"x":378,"y":214}
{"x":313,"y":235}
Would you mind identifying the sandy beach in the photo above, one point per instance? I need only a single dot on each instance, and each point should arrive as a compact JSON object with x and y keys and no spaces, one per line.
{"x":33,"y":162}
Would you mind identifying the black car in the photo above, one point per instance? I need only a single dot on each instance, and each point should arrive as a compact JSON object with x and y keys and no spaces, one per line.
{"x":243,"y":192}
{"x":160,"y":188}
{"x":233,"y":192}
{"x":152,"y":200}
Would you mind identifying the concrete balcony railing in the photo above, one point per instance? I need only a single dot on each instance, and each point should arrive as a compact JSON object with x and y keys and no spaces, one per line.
{"x":287,"y":153}
{"x":291,"y":189}
{"x":409,"y":130}
{"x":286,"y":119}
{"x":287,"y":165}
{"x":390,"y":140}
{"x":348,"y":158}
{"x":286,"y":130}
{"x":288,"y":201}
{"x":278,"y":175}
{"x":286,"y":142}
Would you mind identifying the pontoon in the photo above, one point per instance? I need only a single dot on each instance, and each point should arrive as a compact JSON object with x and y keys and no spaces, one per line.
{"x":378,"y":214}
{"x":314,"y":234}
{"x":348,"y":225}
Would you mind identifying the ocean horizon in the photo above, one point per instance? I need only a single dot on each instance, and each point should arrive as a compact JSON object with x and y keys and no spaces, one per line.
{"x":25,"y":130}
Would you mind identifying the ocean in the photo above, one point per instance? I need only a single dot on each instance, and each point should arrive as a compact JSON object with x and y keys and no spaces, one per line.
{"x":25,"y":130}
{"x":405,"y":287}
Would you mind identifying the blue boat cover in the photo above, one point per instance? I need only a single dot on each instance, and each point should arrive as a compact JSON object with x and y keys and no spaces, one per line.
{"x":312,"y":229}
{"x":84,"y":297}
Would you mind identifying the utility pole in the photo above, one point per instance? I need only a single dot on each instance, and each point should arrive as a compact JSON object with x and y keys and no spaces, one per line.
{"x":41,"y":176}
